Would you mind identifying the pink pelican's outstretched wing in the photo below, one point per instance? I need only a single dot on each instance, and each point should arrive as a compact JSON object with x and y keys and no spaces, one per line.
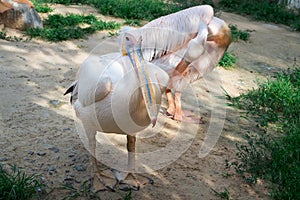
{"x":170,"y":33}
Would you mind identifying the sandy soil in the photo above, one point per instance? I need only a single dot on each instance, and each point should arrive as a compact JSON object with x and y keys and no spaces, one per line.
{"x":37,"y":130}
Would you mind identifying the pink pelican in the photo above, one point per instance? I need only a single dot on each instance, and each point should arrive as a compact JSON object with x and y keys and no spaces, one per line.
{"x":187,"y":45}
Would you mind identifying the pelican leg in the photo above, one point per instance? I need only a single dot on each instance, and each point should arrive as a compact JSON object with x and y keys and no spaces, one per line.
{"x":130,"y":180}
{"x":178,"y":112}
{"x":171,"y":104}
{"x":184,"y":115}
{"x":102,"y":179}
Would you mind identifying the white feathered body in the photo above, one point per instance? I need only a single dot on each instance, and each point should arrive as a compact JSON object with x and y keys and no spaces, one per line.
{"x":107,"y":94}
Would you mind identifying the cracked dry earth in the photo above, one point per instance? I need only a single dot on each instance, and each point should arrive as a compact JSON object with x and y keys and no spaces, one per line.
{"x":37,"y":130}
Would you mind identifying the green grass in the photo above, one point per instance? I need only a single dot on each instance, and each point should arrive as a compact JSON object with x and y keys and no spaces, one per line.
{"x":238,"y":34}
{"x":135,"y":9}
{"x":223,"y":195}
{"x":41,"y":7}
{"x":59,"y":28}
{"x":263,"y":10}
{"x":228,"y":61}
{"x":16,"y":184}
{"x":274,"y":155}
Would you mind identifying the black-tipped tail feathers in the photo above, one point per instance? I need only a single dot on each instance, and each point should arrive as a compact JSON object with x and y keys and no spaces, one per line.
{"x":73,"y":90}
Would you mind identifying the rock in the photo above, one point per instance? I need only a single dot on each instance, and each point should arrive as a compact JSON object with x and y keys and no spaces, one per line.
{"x":54,"y":103}
{"x":52,"y":168}
{"x":19,"y":14}
{"x":68,"y":178}
{"x":3,"y":159}
{"x":77,"y":181}
{"x":71,"y":155}
{"x":41,"y":153}
{"x":80,"y":168}
{"x":54,"y":149}
{"x":31,"y":152}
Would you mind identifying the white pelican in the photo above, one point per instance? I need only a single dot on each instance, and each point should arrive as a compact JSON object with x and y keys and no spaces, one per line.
{"x":187,"y":45}
{"x":99,"y":100}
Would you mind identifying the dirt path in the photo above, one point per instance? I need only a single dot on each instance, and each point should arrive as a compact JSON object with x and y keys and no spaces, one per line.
{"x":38,"y":131}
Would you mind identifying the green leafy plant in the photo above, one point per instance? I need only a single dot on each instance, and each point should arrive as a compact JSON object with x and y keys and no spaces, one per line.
{"x":16,"y":184}
{"x":238,"y":34}
{"x":228,"y":60}
{"x":128,"y":195}
{"x":223,"y":195}
{"x":41,"y":7}
{"x":133,"y":22}
{"x":58,"y":27}
{"x":273,"y":155}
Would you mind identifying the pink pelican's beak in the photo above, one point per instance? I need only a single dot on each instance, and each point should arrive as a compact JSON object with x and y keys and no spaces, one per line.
{"x":133,"y":49}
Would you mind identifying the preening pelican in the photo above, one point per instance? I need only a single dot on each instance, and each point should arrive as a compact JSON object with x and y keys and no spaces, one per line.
{"x":115,"y":90}
{"x":187,"y":45}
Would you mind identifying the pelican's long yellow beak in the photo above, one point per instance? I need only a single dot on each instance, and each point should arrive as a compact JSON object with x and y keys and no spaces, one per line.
{"x":146,"y":85}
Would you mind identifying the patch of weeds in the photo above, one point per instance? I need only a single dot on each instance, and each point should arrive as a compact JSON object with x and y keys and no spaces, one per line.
{"x":66,"y":2}
{"x":133,"y":22}
{"x":83,"y":191}
{"x":59,"y":28}
{"x":275,"y":155}
{"x":143,"y":10}
{"x":263,"y":10}
{"x":41,"y":7}
{"x":223,"y":195}
{"x":135,"y":9}
{"x":226,"y":175}
{"x":132,"y":9}
{"x":4,"y":36}
{"x":238,"y":34}
{"x":128,"y":195}
{"x":113,"y":34}
{"x":16,"y":184}
{"x":228,"y":61}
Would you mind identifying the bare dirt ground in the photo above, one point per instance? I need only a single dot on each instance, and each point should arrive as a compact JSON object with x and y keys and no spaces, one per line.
{"x":37,"y":130}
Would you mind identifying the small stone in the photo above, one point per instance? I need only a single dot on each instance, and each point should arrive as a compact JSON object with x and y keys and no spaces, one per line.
{"x":52,"y":168}
{"x":77,"y":181}
{"x":39,"y":190}
{"x":41,"y":153}
{"x":3,"y":159}
{"x":80,"y":168}
{"x":54,"y":149}
{"x":55,"y":103}
{"x":30,"y":152}
{"x":67,"y":171}
{"x":68,"y":179}
{"x":66,"y":129}
{"x":71,"y":155}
